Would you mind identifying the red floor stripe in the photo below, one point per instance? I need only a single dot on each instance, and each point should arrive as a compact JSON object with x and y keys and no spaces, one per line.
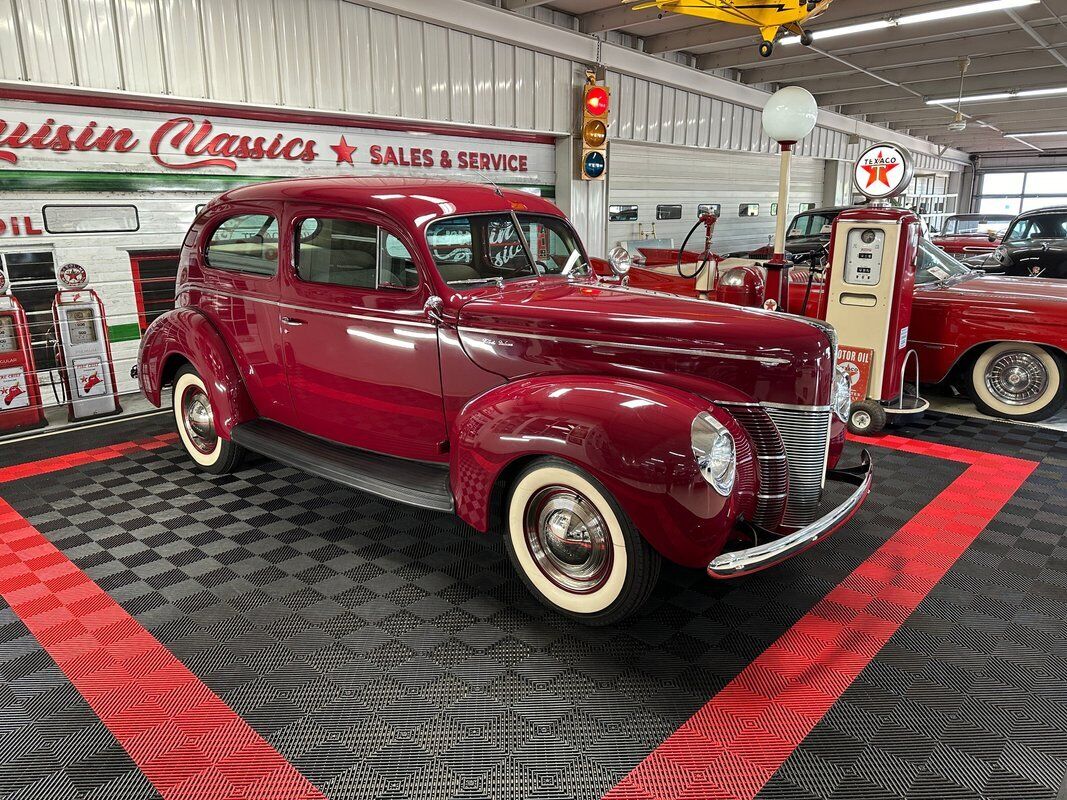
{"x":57,"y":463}
{"x":733,"y":745}
{"x":188,"y":743}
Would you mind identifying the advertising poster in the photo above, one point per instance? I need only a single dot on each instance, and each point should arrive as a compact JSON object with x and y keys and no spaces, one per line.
{"x":857,"y":363}
{"x":89,"y":376}
{"x":13,"y":391}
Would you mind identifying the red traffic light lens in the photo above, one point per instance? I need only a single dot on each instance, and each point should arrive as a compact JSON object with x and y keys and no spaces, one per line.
{"x":596,"y":101}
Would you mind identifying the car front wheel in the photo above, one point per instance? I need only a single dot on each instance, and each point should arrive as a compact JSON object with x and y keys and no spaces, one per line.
{"x":1019,"y":381}
{"x":574,"y":547}
{"x":195,"y":419}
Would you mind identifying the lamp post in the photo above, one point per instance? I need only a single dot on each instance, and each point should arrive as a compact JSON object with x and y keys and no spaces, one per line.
{"x":788,"y":117}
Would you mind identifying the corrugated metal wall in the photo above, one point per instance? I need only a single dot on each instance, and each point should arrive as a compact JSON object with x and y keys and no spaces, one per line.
{"x":645,"y":176}
{"x":335,"y":55}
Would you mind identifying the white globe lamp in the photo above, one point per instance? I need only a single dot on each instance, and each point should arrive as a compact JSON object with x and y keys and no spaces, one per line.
{"x":788,"y":117}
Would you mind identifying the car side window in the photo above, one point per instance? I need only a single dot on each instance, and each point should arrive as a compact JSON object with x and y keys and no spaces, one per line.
{"x":800,"y":226}
{"x":357,"y":255}
{"x":245,"y":243}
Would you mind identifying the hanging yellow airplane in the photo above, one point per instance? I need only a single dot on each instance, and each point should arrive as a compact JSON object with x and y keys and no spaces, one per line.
{"x":774,"y":19}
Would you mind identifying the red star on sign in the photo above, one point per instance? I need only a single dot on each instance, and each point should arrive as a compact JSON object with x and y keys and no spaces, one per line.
{"x":880,"y":172}
{"x":344,"y":151}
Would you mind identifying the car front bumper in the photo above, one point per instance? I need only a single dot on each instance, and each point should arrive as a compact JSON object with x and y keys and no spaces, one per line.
{"x":744,"y":562}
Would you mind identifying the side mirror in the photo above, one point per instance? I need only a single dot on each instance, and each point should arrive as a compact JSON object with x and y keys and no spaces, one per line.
{"x":992,"y":236}
{"x":434,"y":309}
{"x":620,"y":260}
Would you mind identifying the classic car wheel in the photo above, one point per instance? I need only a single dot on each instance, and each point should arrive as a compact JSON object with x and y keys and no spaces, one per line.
{"x":574,"y":547}
{"x":1018,"y":380}
{"x":196,"y":426}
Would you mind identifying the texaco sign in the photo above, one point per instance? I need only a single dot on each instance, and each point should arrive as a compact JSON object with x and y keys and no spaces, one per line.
{"x":883,"y":171}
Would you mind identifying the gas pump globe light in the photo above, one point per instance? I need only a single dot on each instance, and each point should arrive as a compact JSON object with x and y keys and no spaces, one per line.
{"x":789,"y":116}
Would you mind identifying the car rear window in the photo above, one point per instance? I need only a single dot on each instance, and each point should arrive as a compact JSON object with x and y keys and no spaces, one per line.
{"x":245,"y":243}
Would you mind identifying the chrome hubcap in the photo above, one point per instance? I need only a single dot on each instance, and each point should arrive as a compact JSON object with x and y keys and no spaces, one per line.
{"x":198,"y":420}
{"x":568,"y":539}
{"x":1017,"y":379}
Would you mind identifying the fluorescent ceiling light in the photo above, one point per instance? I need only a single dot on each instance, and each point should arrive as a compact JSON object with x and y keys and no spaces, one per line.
{"x":1042,"y":92}
{"x":1037,"y":133}
{"x":912,"y":19}
{"x":963,"y":11}
{"x":974,"y":98}
{"x":829,"y":33}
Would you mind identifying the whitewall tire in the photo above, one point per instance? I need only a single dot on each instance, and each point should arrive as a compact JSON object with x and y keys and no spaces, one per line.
{"x":1018,"y":381}
{"x":195,"y":420}
{"x":573,"y":545}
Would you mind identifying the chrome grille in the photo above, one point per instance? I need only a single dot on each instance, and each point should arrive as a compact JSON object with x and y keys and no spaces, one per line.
{"x":806,"y":436}
{"x":771,"y":457}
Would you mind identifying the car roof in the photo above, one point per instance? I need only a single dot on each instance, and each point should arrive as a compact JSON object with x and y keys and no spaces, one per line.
{"x":826,"y":210}
{"x":419,"y":200}
{"x":981,"y":216}
{"x":1034,"y":212}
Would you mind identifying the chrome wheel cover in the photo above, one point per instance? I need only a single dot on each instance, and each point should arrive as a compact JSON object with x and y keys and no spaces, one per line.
{"x":1017,"y":378}
{"x":568,"y":539}
{"x":198,"y":420}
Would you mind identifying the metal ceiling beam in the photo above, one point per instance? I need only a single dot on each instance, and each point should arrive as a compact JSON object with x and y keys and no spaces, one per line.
{"x":1006,"y":109}
{"x":616,"y":17}
{"x":1036,"y":78}
{"x":1037,"y":37}
{"x":519,"y":5}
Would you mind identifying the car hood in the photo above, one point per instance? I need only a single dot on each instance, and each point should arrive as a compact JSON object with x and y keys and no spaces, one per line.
{"x":584,"y":326}
{"x":1004,"y":292}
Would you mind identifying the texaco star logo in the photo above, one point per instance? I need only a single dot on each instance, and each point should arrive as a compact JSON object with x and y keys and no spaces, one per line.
{"x":878,"y":172}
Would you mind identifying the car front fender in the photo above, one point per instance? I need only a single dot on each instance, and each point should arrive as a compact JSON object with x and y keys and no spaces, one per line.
{"x":634,"y":437}
{"x":185,"y":335}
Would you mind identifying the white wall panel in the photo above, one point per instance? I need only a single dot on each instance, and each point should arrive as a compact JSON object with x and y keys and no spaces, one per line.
{"x":503,"y":71}
{"x":356,"y":47}
{"x":10,"y":60}
{"x":646,"y":175}
{"x":222,"y":44}
{"x":412,"y":66}
{"x":385,"y":71}
{"x":183,"y":47}
{"x":435,"y":47}
{"x":326,"y":58}
{"x":542,"y":93}
{"x":96,"y":47}
{"x":140,"y":44}
{"x":524,"y":88}
{"x":259,"y":49}
{"x":482,"y":67}
{"x":46,"y":46}
{"x":461,"y":74}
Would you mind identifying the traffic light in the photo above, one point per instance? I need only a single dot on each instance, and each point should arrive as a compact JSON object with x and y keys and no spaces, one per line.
{"x":596,"y":102}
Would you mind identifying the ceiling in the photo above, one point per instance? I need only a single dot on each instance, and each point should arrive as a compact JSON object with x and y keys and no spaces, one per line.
{"x":885,"y":75}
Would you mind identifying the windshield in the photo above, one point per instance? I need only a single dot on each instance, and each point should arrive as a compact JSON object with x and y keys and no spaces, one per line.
{"x":488,"y":248}
{"x":974,"y":226}
{"x":1040,"y":226}
{"x":933,"y":265}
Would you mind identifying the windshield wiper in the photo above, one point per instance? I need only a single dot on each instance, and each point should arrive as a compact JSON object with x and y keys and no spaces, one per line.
{"x":499,"y":281}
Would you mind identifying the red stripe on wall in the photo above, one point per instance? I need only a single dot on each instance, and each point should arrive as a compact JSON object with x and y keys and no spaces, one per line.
{"x":733,"y":745}
{"x":188,"y":743}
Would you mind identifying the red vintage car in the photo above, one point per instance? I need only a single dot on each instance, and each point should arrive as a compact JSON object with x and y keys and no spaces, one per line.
{"x":447,"y":346}
{"x":1002,"y":339}
{"x":967,"y":235}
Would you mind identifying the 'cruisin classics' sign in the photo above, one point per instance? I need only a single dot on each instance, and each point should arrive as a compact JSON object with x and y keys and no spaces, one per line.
{"x":39,"y":137}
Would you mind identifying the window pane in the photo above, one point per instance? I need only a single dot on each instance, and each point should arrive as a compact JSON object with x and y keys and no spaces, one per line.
{"x":479,"y":249}
{"x":1031,"y":203}
{"x":397,"y":266}
{"x":999,"y":205}
{"x":555,"y":246}
{"x":1046,"y":182}
{"x":247,"y":243}
{"x":1003,"y":183}
{"x":90,"y":219}
{"x":338,"y":251}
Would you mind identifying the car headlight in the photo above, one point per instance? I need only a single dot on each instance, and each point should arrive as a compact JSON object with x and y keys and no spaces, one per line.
{"x":842,"y":396}
{"x":716,"y":456}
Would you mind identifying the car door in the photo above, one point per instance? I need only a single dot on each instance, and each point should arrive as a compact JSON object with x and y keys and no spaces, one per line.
{"x":361,"y":356}
{"x":239,"y":293}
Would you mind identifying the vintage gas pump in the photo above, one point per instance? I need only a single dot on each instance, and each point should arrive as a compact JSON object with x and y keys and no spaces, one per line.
{"x":84,"y":353}
{"x":869,"y":292}
{"x":20,"y":391}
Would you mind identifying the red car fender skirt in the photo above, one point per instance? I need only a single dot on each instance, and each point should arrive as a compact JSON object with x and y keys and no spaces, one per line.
{"x":634,"y":437}
{"x":186,"y":335}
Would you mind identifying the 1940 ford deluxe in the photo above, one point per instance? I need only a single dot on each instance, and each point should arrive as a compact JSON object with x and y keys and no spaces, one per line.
{"x":448,"y":346}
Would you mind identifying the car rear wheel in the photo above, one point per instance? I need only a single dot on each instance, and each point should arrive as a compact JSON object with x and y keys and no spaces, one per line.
{"x":195,"y":419}
{"x":1019,"y":381}
{"x":574,"y":547}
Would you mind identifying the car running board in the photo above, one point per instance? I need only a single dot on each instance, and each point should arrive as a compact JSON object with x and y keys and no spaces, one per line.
{"x":414,"y":483}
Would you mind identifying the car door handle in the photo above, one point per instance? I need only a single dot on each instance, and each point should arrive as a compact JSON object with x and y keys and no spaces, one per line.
{"x":293,"y":321}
